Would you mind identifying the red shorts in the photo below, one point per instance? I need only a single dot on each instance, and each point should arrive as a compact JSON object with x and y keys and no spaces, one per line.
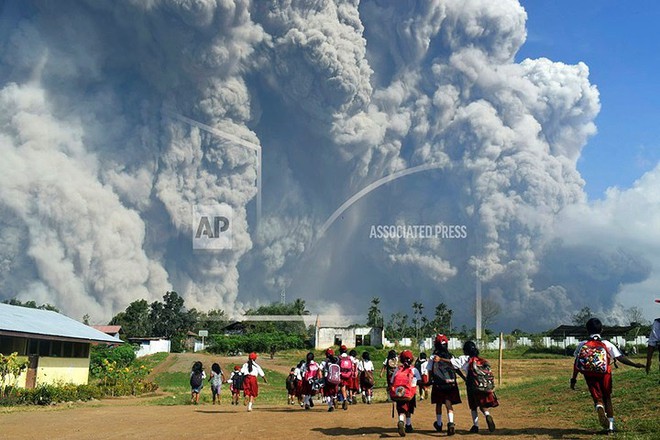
{"x":406,"y":407}
{"x":250,"y":386}
{"x":599,"y":386}
{"x":441,"y":396}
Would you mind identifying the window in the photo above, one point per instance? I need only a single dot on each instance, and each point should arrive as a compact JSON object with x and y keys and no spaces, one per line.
{"x":10,"y":344}
{"x":56,"y":348}
{"x":366,"y":340}
{"x":337,"y":339}
{"x":80,"y":349}
{"x":44,"y":348}
{"x":67,"y":349}
{"x":33,"y":347}
{"x":358,"y":340}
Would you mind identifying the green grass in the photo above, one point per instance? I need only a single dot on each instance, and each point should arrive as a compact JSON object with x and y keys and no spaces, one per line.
{"x":635,"y":399}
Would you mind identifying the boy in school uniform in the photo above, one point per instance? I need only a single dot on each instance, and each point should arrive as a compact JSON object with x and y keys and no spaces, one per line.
{"x":593,"y":358}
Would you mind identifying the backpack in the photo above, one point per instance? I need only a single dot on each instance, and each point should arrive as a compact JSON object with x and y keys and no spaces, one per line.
{"x":237,"y":382}
{"x":443,"y":375}
{"x":346,"y":367}
{"x":311,"y":372}
{"x":418,"y":365}
{"x":334,"y":375}
{"x":291,"y":382}
{"x":368,"y":378}
{"x":593,"y":359}
{"x":402,"y":388}
{"x":480,"y":377}
{"x":196,"y":380}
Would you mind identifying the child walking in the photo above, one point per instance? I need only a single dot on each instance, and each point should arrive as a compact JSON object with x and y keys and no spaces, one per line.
{"x":197,"y":376}
{"x":445,"y":389}
{"x":402,"y":390}
{"x":331,"y":372}
{"x":251,"y":370}
{"x":422,"y":364}
{"x":389,"y":366}
{"x":291,"y":384}
{"x":236,"y":384}
{"x":593,"y":358}
{"x":216,"y":379}
{"x":479,"y":384}
{"x":311,"y":373}
{"x":366,"y":371}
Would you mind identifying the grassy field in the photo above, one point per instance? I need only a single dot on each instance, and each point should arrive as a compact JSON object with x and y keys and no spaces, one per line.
{"x":538,"y":385}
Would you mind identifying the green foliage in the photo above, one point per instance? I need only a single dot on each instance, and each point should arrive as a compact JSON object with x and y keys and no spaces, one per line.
{"x":257,"y":342}
{"x":30,"y":304}
{"x":123,"y":355}
{"x":134,"y":321}
{"x":11,"y":368}
{"x":115,"y":380}
{"x":374,"y":315}
{"x":291,"y":327}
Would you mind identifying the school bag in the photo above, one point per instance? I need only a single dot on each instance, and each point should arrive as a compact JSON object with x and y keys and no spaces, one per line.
{"x":443,"y":375}
{"x":311,"y":372}
{"x":592,"y":359}
{"x":402,"y":388}
{"x":334,"y":374}
{"x":196,"y":379}
{"x":480,"y":377}
{"x":368,"y":378}
{"x":346,"y":367}
{"x":390,"y":366}
{"x":291,"y":382}
{"x":237,"y":381}
{"x":418,"y":365}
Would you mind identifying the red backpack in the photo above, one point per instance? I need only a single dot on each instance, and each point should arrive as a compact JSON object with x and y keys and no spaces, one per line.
{"x":593,"y":358}
{"x":333,"y":376}
{"x":402,"y":388}
{"x":480,"y":377}
{"x":346,"y":367}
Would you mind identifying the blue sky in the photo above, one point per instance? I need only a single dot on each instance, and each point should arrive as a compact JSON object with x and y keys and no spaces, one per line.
{"x":620,"y":44}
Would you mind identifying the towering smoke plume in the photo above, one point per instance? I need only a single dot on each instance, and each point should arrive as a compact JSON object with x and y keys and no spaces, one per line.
{"x":98,"y":178}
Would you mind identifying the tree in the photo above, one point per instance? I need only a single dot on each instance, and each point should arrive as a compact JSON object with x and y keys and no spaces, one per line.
{"x":634,"y":315}
{"x":441,"y":322}
{"x":418,"y":309}
{"x":374,"y":316}
{"x":581,"y":317}
{"x":397,"y":327}
{"x":489,"y":311}
{"x":135,"y":321}
{"x":31,"y":304}
{"x":214,"y":321}
{"x":297,"y":308}
{"x":170,"y":317}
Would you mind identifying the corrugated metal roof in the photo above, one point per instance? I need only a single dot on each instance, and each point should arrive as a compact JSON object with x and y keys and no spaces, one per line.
{"x":109,"y":329}
{"x":48,"y":323}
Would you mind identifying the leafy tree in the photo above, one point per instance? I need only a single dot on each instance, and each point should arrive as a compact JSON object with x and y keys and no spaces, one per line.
{"x":397,"y":327}
{"x":135,"y":321}
{"x":297,"y":308}
{"x":441,"y":322}
{"x":374,"y":316}
{"x":418,"y":309}
{"x":171,"y":319}
{"x":581,"y":317}
{"x":30,"y":304}
{"x":213,"y":321}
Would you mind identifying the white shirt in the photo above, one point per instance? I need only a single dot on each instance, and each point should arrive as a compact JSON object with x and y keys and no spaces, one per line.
{"x":424,"y":366}
{"x":612,"y":351}
{"x":654,"y":336}
{"x":365,"y":366}
{"x":298,"y":373}
{"x":256,"y":370}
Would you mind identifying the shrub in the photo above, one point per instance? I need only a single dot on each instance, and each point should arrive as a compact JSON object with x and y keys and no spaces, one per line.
{"x":123,"y":355}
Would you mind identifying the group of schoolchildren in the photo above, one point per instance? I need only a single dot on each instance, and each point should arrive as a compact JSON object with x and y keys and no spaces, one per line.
{"x":241,"y":379}
{"x":339,"y":380}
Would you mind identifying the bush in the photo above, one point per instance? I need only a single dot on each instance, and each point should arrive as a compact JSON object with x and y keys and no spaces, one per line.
{"x":257,"y":342}
{"x":123,"y":355}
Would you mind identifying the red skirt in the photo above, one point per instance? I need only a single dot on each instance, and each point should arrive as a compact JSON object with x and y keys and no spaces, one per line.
{"x":307,"y":389}
{"x":299,"y":387}
{"x":481,"y":399}
{"x":406,"y":407}
{"x":250,"y":386}
{"x":329,"y":389}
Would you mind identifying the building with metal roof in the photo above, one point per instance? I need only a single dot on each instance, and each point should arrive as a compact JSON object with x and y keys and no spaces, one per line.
{"x":55,"y":346}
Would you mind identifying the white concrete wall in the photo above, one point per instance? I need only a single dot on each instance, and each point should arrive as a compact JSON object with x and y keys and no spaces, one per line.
{"x":155,"y":346}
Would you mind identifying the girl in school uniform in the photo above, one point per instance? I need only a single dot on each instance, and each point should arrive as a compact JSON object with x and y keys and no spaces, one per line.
{"x":366,"y":375}
{"x":445,"y":388}
{"x":252,"y":370}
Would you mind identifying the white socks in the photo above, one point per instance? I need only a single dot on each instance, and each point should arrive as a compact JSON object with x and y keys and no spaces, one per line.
{"x":402,"y":417}
{"x":408,"y":421}
{"x":450,"y":416}
{"x":249,"y":406}
{"x":611,"y":419}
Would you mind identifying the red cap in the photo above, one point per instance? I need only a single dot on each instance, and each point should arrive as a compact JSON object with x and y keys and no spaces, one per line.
{"x":406,"y":354}
{"x":442,"y":339}
{"x":343,"y":348}
{"x":329,"y":352}
{"x":237,"y":367}
{"x":253,"y":356}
